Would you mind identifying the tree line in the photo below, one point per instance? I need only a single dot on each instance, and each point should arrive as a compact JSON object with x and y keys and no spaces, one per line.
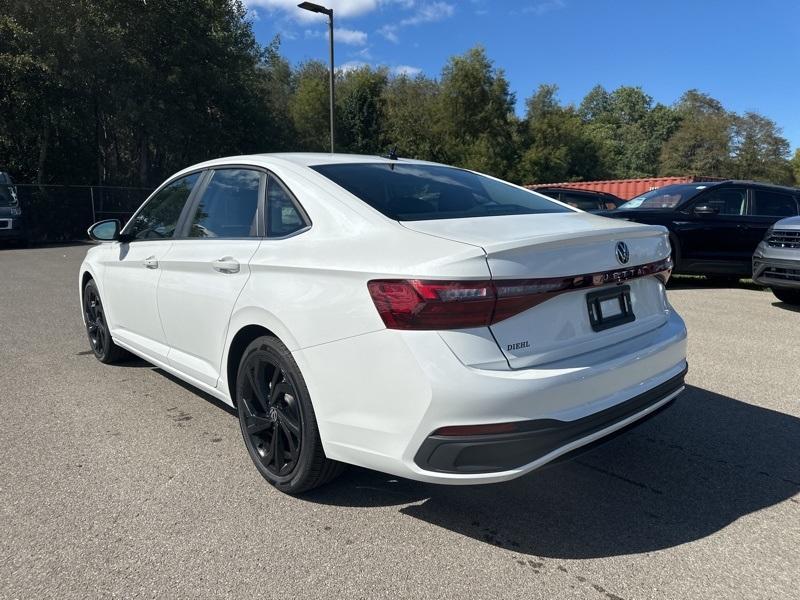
{"x":126,"y":92}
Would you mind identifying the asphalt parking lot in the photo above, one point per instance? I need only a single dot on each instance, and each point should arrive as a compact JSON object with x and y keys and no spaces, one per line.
{"x":121,"y":481}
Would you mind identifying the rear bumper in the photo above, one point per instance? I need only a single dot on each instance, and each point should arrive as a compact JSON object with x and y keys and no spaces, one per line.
{"x":537,"y":438}
{"x":380,"y":396}
{"x":12,"y":228}
{"x":776,"y":267}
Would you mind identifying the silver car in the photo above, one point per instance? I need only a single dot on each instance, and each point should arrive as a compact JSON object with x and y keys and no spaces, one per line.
{"x":776,"y":262}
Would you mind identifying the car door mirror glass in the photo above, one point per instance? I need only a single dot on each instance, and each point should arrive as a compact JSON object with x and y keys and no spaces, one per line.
{"x":105,"y":231}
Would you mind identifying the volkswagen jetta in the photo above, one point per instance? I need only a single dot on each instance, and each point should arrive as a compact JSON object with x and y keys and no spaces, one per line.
{"x":418,"y":319}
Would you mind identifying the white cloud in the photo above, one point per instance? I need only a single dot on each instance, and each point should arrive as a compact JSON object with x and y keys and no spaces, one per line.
{"x":406,"y":70}
{"x":351,"y":66}
{"x":544,"y":6}
{"x":424,"y":13}
{"x":428,"y":13}
{"x":341,"y":8}
{"x":390,"y":33}
{"x":352,"y":37}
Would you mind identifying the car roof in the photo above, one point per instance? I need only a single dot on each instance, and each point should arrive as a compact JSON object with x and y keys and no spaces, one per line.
{"x":571,"y":189}
{"x":748,"y":182}
{"x":304,"y":159}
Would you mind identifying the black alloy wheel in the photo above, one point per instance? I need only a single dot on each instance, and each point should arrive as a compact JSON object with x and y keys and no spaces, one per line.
{"x":272,"y":415}
{"x":97,"y":329}
{"x":277,"y":419}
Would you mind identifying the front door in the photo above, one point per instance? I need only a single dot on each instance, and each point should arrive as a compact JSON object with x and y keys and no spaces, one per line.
{"x":206,"y":268}
{"x":133,"y":269}
{"x":715,"y":240}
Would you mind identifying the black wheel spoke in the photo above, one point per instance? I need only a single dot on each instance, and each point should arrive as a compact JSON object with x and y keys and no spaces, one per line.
{"x":292,"y":441}
{"x":257,"y":424}
{"x":258,"y":391}
{"x":277,"y":376}
{"x":276,"y":450}
{"x":289,"y":421}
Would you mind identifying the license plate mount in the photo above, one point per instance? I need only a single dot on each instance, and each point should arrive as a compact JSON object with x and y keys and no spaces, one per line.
{"x":610,"y":307}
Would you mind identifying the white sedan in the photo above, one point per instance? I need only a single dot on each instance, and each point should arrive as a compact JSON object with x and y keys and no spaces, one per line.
{"x":418,"y":319}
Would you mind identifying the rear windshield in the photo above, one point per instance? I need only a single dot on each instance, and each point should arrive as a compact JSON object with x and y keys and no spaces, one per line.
{"x":410,"y":192}
{"x":668,"y":196}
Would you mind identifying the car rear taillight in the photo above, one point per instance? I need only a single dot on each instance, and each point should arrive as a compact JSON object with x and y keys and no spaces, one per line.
{"x":414,"y":304}
{"x":417,"y":304}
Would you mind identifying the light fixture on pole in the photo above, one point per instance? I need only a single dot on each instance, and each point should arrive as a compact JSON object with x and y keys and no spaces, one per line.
{"x":316,"y":8}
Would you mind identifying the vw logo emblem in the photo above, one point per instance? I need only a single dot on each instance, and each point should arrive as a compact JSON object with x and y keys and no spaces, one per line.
{"x":622,"y":252}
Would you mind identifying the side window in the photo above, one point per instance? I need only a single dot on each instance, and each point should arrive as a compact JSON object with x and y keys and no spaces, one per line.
{"x":229,"y":206}
{"x":159,"y":217}
{"x":283,"y":216}
{"x":767,"y":203}
{"x":728,"y":201}
{"x":582,"y":201}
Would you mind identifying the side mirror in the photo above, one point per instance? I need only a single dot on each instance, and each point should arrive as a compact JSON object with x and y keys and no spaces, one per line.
{"x":704,"y":210}
{"x":105,"y":231}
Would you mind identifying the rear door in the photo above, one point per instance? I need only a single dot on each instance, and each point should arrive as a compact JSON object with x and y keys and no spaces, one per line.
{"x":766,"y":207}
{"x":207,"y":267}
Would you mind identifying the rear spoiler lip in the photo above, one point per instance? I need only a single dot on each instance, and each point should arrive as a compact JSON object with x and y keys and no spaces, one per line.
{"x":556,"y":240}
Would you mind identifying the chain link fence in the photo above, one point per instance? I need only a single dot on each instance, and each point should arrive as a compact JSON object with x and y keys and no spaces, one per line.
{"x":54,"y":213}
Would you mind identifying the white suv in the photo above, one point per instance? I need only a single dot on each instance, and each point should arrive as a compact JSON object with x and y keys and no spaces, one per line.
{"x":409,"y":317}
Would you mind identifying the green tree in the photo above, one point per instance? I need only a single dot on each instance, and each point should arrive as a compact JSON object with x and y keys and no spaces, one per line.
{"x":628,"y":129}
{"x":309,"y":107}
{"x":557,"y":145}
{"x":410,"y":117}
{"x":128,"y":91}
{"x":760,"y":151}
{"x":796,"y":167}
{"x":360,"y":106}
{"x":702,"y":143}
{"x":475,"y":114}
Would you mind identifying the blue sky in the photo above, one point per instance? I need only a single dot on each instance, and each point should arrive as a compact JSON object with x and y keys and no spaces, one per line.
{"x":744,"y":53}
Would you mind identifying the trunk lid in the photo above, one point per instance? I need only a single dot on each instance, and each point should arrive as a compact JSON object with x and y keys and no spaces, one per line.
{"x":563,"y":245}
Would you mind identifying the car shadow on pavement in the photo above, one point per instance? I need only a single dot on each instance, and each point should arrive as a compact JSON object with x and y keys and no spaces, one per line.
{"x":787,"y":306}
{"x":685,"y":474}
{"x":683,"y":282}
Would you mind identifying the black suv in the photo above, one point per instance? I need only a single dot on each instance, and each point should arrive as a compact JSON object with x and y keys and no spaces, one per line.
{"x":714,"y":227}
{"x":588,"y":200}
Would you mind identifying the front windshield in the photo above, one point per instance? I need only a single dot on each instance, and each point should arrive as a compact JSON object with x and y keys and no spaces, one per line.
{"x":667,"y":197}
{"x":416,"y":192}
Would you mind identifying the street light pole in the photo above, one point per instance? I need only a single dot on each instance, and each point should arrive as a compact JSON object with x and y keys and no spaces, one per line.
{"x":331,"y":76}
{"x":316,"y":8}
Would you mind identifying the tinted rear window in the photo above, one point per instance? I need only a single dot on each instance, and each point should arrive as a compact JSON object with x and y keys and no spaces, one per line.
{"x":409,"y":192}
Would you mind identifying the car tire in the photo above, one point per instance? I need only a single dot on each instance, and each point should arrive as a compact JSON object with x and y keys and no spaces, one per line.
{"x":94,"y":316}
{"x":787,"y":295}
{"x":277,"y":419}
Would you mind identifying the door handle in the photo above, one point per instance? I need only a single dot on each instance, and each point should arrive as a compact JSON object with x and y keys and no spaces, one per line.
{"x":226,"y":264}
{"x":150,"y":262}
